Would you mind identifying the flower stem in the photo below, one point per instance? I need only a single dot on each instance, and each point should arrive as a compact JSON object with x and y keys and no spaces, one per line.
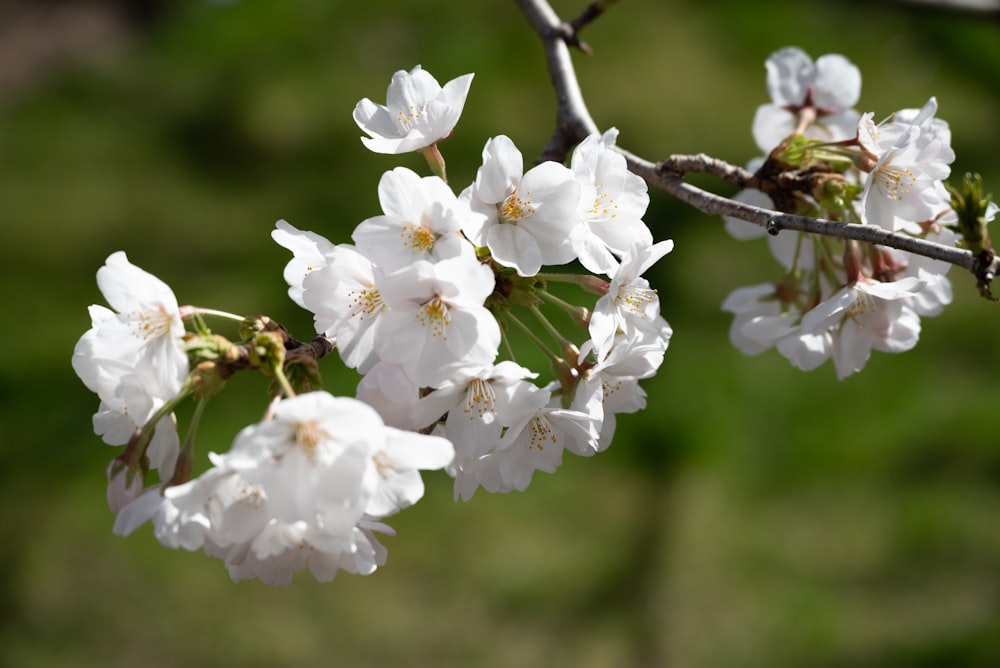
{"x":435,"y":161}
{"x":555,"y":359}
{"x":505,"y":339}
{"x":189,"y":311}
{"x":586,"y":281}
{"x":579,"y":314}
{"x":286,"y":387}
{"x":137,"y":445}
{"x":185,"y":459}
{"x":550,"y":328}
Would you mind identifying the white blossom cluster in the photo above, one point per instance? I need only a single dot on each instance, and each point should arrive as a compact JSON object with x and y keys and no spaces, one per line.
{"x":305,"y":488}
{"x":420,"y":305}
{"x":838,"y":299}
{"x":420,"y":302}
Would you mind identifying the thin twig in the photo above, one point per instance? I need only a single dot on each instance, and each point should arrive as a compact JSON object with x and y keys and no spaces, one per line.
{"x":586,"y":17}
{"x":573,"y":120}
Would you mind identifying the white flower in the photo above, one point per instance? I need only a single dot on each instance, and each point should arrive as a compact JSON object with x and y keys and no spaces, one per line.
{"x":496,"y":407}
{"x":630,"y":303}
{"x":830,"y":87}
{"x":529,"y":217}
{"x":304,"y":489}
{"x":480,"y":403}
{"x":174,"y":528}
{"x":347,"y":305}
{"x":912,"y":154}
{"x":761,"y":322}
{"x":421,"y":221}
{"x":146,"y":328}
{"x":418,"y":112}
{"x":476,"y":405}
{"x":309,"y":251}
{"x":742,"y":229}
{"x":436,"y":318}
{"x":864,"y":316}
{"x":537,"y":444}
{"x":615,"y":379}
{"x":613,"y":201}
{"x":388,"y":390}
{"x":133,"y":357}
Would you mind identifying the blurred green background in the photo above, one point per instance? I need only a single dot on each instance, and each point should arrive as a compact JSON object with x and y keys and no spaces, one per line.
{"x":754,"y":515}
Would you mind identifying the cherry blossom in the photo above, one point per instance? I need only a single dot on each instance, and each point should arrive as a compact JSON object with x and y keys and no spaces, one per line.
{"x":911,"y":154}
{"x":309,"y":252}
{"x":612,"y":201}
{"x":865,"y":316}
{"x":347,"y":305}
{"x":303,"y":490}
{"x":826,"y":90}
{"x":529,"y":217}
{"x":133,"y":357}
{"x":630,"y":303}
{"x":418,"y":112}
{"x":436,"y":318}
{"x":422,"y":218}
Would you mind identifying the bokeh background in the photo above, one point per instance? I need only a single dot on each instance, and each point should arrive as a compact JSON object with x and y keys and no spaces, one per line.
{"x":754,"y":515}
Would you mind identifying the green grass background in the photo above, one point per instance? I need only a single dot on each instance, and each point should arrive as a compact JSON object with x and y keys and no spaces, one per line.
{"x":754,"y":515}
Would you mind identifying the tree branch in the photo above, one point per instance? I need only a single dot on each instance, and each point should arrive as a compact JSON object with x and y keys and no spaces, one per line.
{"x":573,"y":120}
{"x":574,"y":123}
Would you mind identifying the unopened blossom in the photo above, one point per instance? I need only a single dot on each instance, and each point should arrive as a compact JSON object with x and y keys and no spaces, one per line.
{"x":421,"y":221}
{"x":826,"y":90}
{"x":418,"y":112}
{"x":528,"y":217}
{"x":613,"y":201}
{"x":436,"y":318}
{"x":124,"y":486}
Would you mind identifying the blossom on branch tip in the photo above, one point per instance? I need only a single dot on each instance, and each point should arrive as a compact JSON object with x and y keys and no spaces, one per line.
{"x":418,"y":112}
{"x":911,"y":153}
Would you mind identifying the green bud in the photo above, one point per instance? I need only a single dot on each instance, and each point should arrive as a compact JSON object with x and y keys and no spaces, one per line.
{"x":970,"y":205}
{"x":835,"y":194}
{"x":302,"y":372}
{"x":208,"y":379}
{"x":267,"y":351}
